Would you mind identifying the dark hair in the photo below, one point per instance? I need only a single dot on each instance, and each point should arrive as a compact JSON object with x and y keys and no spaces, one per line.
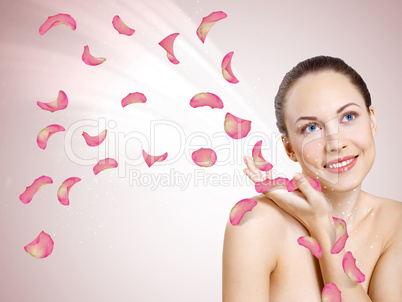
{"x":311,"y":66}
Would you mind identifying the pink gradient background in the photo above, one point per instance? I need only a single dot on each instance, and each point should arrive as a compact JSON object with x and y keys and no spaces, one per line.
{"x":122,"y":242}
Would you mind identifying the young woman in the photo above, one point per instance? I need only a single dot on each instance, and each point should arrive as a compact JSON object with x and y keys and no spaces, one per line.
{"x":324,"y":113}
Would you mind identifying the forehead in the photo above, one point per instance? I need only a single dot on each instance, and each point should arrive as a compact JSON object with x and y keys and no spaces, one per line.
{"x":321,"y":95}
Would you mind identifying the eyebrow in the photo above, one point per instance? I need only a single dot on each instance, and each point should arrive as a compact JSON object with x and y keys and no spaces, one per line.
{"x":314,"y":118}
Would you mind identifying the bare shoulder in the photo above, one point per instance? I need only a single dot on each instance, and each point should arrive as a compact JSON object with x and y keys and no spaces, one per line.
{"x":251,"y":251}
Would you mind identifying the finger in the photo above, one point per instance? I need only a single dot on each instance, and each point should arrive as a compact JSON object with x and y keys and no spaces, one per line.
{"x":303,"y":184}
{"x":254,"y":177}
{"x":250,"y":165}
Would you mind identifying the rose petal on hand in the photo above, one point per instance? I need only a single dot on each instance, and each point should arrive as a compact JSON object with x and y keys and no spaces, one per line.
{"x":331,"y":293}
{"x":240,"y":208}
{"x":41,"y":247}
{"x":30,"y":191}
{"x":279,"y":182}
{"x":207,"y":22}
{"x":90,"y":59}
{"x":204,"y":157}
{"x":312,"y":244}
{"x":350,"y":268}
{"x":167,"y":45}
{"x":313,"y":182}
{"x":64,"y":189}
{"x":59,"y":19}
{"x":96,"y":140}
{"x":104,"y":164}
{"x":122,"y":28}
{"x":227,"y":69}
{"x":46,"y":133}
{"x":58,"y":104}
{"x":131,"y":98}
{"x":259,"y":161}
{"x":206,"y":99}
{"x":150,"y":159}
{"x":236,"y":127}
{"x":341,"y":234}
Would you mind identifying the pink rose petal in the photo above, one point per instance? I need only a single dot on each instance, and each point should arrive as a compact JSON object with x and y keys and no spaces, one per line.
{"x":350,"y":268}
{"x":227,"y":69}
{"x":59,"y":19}
{"x":331,"y":293}
{"x":313,"y":182}
{"x":312,"y":244}
{"x":240,"y":208}
{"x":167,"y":45}
{"x":131,"y":98}
{"x":46,"y":133}
{"x":204,"y":157}
{"x":96,"y":140}
{"x":207,"y":23}
{"x":90,"y":59}
{"x":236,"y":127}
{"x":122,"y":28}
{"x":259,"y":161}
{"x":58,"y":104}
{"x":279,"y":182}
{"x":104,"y":164}
{"x":30,"y":191}
{"x":64,"y":189}
{"x":341,"y":234}
{"x":41,"y":247}
{"x":150,"y":159}
{"x":206,"y":99}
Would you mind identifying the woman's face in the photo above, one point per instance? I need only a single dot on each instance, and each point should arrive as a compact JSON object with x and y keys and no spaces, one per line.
{"x":330,"y":132}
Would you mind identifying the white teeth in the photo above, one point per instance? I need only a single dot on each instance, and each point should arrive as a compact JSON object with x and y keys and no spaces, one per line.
{"x":342,"y":164}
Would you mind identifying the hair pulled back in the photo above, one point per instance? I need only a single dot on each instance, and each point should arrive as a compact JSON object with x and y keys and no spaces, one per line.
{"x":312,"y":66}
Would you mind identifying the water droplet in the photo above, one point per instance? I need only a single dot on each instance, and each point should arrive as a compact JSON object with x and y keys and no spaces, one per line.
{"x":371,"y":246}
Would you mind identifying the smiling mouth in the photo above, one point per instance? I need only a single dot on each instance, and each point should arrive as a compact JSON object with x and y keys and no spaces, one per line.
{"x":342,"y":166}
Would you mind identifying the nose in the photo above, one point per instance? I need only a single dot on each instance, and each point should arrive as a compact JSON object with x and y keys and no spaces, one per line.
{"x":335,"y":141}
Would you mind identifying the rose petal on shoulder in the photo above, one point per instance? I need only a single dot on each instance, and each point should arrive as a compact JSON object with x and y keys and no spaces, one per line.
{"x":104,"y":164}
{"x":227,"y":69}
{"x":30,"y":191}
{"x":121,"y":27}
{"x":89,"y":59}
{"x":259,"y":161}
{"x":41,"y":247}
{"x":204,"y":157}
{"x":46,"y":133}
{"x":207,"y":22}
{"x":236,"y":127}
{"x":59,"y":19}
{"x":64,"y":190}
{"x":167,"y":44}
{"x":350,"y":268}
{"x":331,"y":293}
{"x":132,"y":98}
{"x":312,"y":244}
{"x":96,"y":140}
{"x":240,"y":208}
{"x":341,"y":235}
{"x":151,"y":159}
{"x":206,"y":99}
{"x":58,"y":104}
{"x":279,"y":182}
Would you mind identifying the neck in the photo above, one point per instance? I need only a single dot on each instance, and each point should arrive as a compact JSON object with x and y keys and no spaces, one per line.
{"x":345,"y":205}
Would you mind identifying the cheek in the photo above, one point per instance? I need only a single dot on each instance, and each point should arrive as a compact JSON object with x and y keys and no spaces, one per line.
{"x":310,"y":149}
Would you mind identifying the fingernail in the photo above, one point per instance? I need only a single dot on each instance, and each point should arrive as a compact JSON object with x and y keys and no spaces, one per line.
{"x":298,"y":177}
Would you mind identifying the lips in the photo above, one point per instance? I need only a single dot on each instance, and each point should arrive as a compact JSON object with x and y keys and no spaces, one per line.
{"x":351,"y":161}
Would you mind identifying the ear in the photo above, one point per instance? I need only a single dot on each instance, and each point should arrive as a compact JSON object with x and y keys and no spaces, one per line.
{"x":373,"y":121}
{"x":288,"y":148}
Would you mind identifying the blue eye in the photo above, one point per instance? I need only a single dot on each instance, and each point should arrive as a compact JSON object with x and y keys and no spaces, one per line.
{"x":349,"y":116}
{"x":310,"y":128}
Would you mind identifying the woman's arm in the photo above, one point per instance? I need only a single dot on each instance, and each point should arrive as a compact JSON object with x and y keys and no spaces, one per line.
{"x":249,"y":256}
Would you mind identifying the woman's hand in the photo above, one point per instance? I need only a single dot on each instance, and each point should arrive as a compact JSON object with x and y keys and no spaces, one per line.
{"x":309,"y":206}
